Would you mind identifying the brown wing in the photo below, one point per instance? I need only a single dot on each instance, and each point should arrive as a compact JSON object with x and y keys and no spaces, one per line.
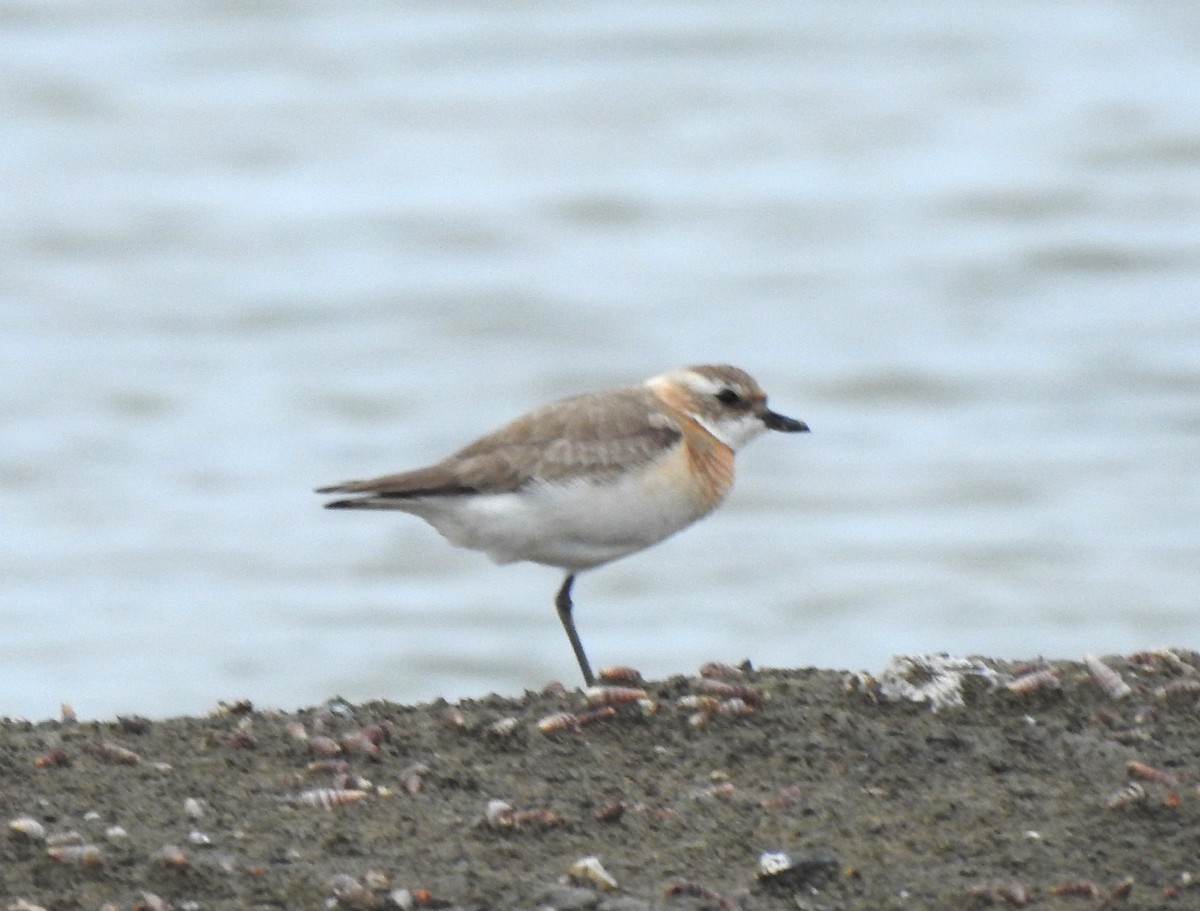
{"x":593,"y":436}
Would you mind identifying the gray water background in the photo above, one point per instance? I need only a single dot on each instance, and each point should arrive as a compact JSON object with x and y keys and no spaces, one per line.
{"x":250,"y":248}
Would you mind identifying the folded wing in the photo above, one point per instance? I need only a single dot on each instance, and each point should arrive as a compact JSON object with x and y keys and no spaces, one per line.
{"x":585,"y":439}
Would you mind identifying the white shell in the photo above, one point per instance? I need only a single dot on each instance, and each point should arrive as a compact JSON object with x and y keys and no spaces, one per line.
{"x":589,"y":871}
{"x":27,"y":826}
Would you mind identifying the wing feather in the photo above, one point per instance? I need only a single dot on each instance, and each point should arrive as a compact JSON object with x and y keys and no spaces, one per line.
{"x":591,"y":437}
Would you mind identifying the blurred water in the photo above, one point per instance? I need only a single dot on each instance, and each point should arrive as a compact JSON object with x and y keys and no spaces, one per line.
{"x":250,"y":248}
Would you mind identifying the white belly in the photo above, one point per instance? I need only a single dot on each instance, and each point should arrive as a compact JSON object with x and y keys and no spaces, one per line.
{"x":574,"y":527}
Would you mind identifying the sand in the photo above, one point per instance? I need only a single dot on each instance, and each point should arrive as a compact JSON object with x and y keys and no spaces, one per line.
{"x":751,"y":789}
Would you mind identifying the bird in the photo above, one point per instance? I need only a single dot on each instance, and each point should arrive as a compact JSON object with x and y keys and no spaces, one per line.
{"x":585,"y":480}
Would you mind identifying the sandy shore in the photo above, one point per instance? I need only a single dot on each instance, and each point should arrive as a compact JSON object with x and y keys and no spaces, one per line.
{"x":809,"y":789}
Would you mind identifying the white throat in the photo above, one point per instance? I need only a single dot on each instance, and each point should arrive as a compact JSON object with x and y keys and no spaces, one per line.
{"x":733,"y":432}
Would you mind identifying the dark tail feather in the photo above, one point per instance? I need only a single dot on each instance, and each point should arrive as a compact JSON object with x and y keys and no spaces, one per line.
{"x":346,"y":504}
{"x":364,"y":495}
{"x":345,"y":487}
{"x":385,"y":500}
{"x":371,"y":497}
{"x":371,"y":501}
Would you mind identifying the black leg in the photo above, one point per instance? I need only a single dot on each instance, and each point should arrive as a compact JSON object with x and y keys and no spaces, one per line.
{"x":563,"y":603}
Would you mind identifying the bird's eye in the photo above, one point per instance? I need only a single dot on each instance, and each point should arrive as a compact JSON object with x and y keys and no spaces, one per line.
{"x":728,"y":396}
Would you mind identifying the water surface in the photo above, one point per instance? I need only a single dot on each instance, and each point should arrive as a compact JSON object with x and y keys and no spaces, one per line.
{"x":254,"y":248}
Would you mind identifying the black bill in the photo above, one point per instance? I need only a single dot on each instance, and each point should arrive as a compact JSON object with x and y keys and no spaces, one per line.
{"x":776,"y":421}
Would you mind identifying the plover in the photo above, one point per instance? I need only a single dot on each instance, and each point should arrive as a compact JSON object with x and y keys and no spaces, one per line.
{"x":586,"y":480}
